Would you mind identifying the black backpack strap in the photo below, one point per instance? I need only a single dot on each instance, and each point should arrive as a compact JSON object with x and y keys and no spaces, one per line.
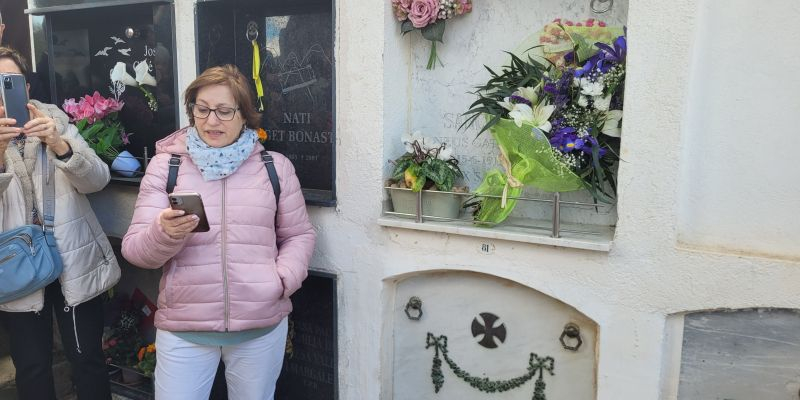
{"x":273,"y":175}
{"x":172,"y":178}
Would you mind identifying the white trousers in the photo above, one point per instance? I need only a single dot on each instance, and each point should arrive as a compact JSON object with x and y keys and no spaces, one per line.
{"x":185,"y":370}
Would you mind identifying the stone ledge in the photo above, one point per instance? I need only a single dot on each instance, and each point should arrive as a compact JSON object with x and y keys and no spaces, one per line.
{"x":585,"y":237}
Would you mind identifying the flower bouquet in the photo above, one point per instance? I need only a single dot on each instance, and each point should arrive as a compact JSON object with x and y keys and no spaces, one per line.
{"x":96,"y":119}
{"x":429,"y":16}
{"x":555,"y":116}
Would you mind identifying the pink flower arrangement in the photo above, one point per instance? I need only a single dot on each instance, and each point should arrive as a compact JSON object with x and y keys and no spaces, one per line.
{"x":96,"y":119}
{"x":91,"y":108}
{"x":429,"y":16}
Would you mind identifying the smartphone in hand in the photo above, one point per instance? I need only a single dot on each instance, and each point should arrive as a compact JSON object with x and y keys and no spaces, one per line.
{"x":191,"y":203}
{"x":14,"y":94}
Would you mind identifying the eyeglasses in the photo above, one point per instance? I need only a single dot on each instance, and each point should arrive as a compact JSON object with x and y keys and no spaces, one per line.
{"x":222,"y":113}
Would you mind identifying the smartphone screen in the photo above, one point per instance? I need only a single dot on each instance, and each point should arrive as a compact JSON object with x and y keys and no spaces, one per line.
{"x":191,"y":203}
{"x":14,"y":94}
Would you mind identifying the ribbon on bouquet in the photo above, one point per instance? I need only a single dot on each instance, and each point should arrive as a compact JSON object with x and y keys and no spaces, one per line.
{"x":257,"y":75}
{"x":510,"y":179}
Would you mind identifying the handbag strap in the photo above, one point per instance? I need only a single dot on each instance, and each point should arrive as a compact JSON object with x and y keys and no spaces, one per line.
{"x":48,"y":190}
{"x":273,"y":175}
{"x":172,"y":178}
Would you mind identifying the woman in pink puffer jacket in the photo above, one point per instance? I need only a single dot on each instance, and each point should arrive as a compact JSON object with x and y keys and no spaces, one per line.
{"x":223,"y":293}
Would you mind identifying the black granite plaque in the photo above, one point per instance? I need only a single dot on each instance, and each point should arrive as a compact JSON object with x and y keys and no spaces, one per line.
{"x":86,"y":44}
{"x":310,"y":362}
{"x":295,"y":42}
{"x":309,"y":367}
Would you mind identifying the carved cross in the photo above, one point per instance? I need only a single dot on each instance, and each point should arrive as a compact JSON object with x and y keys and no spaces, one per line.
{"x":488,"y":330}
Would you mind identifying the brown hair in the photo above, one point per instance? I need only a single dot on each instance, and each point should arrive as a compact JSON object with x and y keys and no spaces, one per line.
{"x":229,"y":76}
{"x":16,"y":57}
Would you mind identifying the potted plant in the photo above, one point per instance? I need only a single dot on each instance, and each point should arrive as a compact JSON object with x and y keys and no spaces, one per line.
{"x":433,"y":171}
{"x":147,"y":360}
{"x":96,"y":119}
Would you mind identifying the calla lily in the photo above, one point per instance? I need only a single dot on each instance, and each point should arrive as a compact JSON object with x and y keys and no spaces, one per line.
{"x":611,"y":127}
{"x":118,"y":74}
{"x":143,"y":76}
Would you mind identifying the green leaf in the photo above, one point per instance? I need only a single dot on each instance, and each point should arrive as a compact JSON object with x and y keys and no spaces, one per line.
{"x":400,"y":167}
{"x":434,"y":32}
{"x":583,"y":49}
{"x":406,"y":27}
{"x":92,"y":131}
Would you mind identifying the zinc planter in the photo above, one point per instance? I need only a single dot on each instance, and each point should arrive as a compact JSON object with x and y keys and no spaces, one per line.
{"x":434,"y":204}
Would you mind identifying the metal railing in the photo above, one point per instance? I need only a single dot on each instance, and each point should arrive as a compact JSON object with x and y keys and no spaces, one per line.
{"x":555,"y":229}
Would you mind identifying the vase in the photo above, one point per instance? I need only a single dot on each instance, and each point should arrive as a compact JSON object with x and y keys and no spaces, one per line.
{"x":434,"y":203}
{"x":126,"y":164}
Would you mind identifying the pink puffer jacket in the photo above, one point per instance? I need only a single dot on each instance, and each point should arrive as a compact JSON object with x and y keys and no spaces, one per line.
{"x":239,"y":275}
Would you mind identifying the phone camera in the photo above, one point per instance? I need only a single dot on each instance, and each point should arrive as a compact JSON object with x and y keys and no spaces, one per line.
{"x":174,"y":201}
{"x":7,"y":82}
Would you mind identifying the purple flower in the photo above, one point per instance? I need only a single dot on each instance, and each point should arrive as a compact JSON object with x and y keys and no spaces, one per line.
{"x":126,"y":140}
{"x":587,"y":68}
{"x":519,"y":99}
{"x":559,"y":89}
{"x":614,"y":54}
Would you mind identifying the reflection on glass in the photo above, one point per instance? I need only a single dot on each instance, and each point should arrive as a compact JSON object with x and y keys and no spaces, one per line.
{"x":137,"y":41}
{"x":295,"y":42}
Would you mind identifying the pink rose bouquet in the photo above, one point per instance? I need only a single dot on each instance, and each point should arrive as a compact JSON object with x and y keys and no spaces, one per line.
{"x":429,"y":16}
{"x":96,"y":119}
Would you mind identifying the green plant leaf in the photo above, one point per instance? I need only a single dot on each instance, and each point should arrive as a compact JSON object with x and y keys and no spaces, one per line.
{"x":434,"y":32}
{"x":406,"y":27}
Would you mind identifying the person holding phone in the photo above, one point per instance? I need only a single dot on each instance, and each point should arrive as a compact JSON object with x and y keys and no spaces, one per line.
{"x":90,"y":267}
{"x":224,"y":294}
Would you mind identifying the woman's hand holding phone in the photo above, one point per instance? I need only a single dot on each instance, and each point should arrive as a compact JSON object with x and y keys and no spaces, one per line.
{"x":7,"y":132}
{"x":44,"y":127}
{"x":176,"y":224}
{"x":7,"y":129}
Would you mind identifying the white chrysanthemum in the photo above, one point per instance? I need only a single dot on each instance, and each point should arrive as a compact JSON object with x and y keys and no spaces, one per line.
{"x":590,"y":88}
{"x":602,"y":103}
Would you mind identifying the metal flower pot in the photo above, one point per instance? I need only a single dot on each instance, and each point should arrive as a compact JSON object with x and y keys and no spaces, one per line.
{"x":434,"y":203}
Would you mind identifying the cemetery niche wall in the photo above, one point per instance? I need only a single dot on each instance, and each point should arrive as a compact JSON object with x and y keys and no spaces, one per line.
{"x":85,"y":41}
{"x":291,"y":43}
{"x":472,"y":336}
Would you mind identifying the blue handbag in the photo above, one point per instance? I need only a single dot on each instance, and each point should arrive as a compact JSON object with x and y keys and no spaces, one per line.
{"x":29,"y":257}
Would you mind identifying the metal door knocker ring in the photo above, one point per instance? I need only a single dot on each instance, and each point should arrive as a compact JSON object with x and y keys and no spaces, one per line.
{"x":571,"y":332}
{"x":414,"y":308}
{"x":597,"y":9}
{"x":252,"y":31}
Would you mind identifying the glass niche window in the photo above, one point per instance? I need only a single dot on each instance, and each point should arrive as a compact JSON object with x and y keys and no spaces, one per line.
{"x":84,"y":42}
{"x":292,"y":43}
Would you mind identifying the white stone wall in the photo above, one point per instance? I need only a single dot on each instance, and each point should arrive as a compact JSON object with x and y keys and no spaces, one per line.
{"x":629,"y":292}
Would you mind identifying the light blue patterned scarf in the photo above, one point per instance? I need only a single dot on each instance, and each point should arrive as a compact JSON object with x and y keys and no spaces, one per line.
{"x":218,"y":162}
